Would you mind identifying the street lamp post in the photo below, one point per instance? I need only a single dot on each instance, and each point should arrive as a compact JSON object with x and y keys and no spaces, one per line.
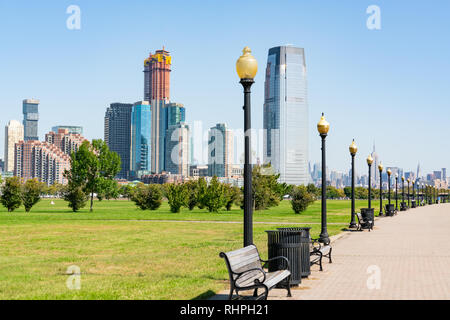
{"x":408,"y":192}
{"x":353,"y":149}
{"x":380,"y":168}
{"x":369,"y":163}
{"x":403,"y":192}
{"x":323,"y":126}
{"x":246,"y":67}
{"x":389,"y":212}
{"x":396,"y":192}
{"x":413,"y":190}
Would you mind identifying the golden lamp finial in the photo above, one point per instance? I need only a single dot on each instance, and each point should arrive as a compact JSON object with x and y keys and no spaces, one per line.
{"x":246,"y":65}
{"x":323,"y":126}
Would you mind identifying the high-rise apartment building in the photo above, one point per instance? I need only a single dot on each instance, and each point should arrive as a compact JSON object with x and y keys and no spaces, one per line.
{"x":444,"y":174}
{"x":14,"y":133}
{"x":286,"y":114}
{"x":118,"y":134}
{"x":30,"y":119}
{"x":141,"y":131}
{"x":41,"y":160}
{"x":220,"y":151}
{"x":157,"y":69}
{"x":177,"y":149}
{"x":71,"y":129}
{"x":67,"y":142}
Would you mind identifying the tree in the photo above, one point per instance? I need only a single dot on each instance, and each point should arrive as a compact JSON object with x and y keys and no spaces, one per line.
{"x":301,"y":199}
{"x":311,"y":188}
{"x":92,"y":166}
{"x":333,"y":193}
{"x":284,"y":189}
{"x":75,"y":196}
{"x":11,"y":196}
{"x":214,"y":198}
{"x":265,"y":187}
{"x":31,"y":193}
{"x":127,"y":191}
{"x":176,"y":195}
{"x":202,"y":187}
{"x":192,"y":189}
{"x":108,"y":189}
{"x":348,"y":192}
{"x":232,"y":195}
{"x":147,"y":197}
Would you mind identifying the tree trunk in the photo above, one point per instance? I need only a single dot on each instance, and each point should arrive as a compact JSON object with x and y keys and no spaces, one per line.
{"x":92,"y":201}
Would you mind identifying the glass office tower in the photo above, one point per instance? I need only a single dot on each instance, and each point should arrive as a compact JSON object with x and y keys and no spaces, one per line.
{"x":141,"y":138}
{"x":30,"y":119}
{"x":286,"y":114}
{"x":118,"y":134}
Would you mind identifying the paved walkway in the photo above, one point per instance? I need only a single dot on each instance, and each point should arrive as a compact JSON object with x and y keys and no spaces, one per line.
{"x":405,"y":257}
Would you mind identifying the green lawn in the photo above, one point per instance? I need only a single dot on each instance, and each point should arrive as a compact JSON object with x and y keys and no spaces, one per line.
{"x":123,"y":253}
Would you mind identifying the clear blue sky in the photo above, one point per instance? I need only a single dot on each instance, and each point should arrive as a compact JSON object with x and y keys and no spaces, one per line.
{"x":390,"y":86}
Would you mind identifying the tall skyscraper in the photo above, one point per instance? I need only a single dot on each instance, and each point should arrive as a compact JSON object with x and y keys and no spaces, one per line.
{"x":118,"y":134}
{"x":157,"y":76}
{"x":220,"y":151}
{"x":71,"y":129}
{"x":375,"y":174}
{"x":30,"y":119}
{"x":164,"y":115}
{"x":177,"y":149}
{"x":444,"y":174}
{"x":141,"y":130}
{"x":14,"y":133}
{"x":286,"y":114}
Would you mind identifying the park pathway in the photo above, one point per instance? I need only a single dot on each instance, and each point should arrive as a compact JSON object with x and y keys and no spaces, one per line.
{"x":405,"y":257}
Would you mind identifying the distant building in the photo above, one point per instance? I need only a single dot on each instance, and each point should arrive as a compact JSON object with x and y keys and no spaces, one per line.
{"x":67,"y":142}
{"x":177,"y":149}
{"x":141,"y":130}
{"x":71,"y":129}
{"x":157,"y":68}
{"x":14,"y":132}
{"x":164,"y":115}
{"x":41,"y":160}
{"x":220,"y":151}
{"x":444,"y":174}
{"x":286,"y":114}
{"x":163,"y":177}
{"x":30,"y":119}
{"x":437,"y":174}
{"x":117,"y":129}
{"x":2,"y":165}
{"x":198,"y":171}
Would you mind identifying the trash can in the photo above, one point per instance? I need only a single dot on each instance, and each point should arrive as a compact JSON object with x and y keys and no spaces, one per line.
{"x":389,"y":209}
{"x":286,"y":244}
{"x":413,"y":203}
{"x":368,"y":214}
{"x":403,"y":206}
{"x":305,"y":241}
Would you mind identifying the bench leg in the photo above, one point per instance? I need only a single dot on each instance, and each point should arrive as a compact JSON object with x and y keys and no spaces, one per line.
{"x":230,"y":296}
{"x":320,"y":262}
{"x":255,"y":292}
{"x":289,"y":286}
{"x":329,"y":255}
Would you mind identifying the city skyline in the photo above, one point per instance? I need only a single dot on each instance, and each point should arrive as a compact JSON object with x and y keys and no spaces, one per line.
{"x":378,"y":77}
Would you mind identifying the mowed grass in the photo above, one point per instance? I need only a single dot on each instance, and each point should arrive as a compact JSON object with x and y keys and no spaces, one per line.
{"x":125,"y":253}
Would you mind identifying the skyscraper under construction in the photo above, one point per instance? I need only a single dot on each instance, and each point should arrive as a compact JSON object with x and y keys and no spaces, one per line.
{"x":157,"y":76}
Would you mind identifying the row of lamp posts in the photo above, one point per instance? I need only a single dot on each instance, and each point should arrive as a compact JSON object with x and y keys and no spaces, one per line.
{"x":246,"y":67}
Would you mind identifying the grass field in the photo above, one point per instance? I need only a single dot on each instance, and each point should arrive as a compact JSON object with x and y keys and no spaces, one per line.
{"x":125,"y":253}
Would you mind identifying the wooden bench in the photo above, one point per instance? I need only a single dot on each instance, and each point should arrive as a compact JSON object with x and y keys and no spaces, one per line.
{"x":363,"y":224}
{"x":246,"y":271}
{"x":318,"y":251}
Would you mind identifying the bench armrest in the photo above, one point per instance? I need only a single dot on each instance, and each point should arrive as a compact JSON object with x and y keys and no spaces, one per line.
{"x":251,"y":270}
{"x":315,"y":242}
{"x":277,"y":258}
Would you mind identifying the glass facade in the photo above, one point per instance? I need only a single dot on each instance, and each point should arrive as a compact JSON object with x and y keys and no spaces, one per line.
{"x":118,"y":134}
{"x":30,"y":119}
{"x":141,"y":120}
{"x":286,"y":114}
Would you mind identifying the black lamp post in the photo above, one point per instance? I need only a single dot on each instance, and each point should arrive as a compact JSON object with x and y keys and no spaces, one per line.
{"x":380,"y":168}
{"x":423,"y":196}
{"x":323,"y":126}
{"x":353,"y":149}
{"x":414,"y":190}
{"x":246,"y":67}
{"x":408,"y":192}
{"x":396,"y":192}
{"x":389,"y":172}
{"x":403,"y":191}
{"x":369,"y":163}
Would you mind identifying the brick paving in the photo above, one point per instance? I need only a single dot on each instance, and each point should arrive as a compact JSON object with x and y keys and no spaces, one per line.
{"x":411,"y":251}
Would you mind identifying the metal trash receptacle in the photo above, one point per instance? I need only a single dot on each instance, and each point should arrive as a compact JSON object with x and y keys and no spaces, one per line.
{"x":286,"y":244}
{"x":368,"y":214}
